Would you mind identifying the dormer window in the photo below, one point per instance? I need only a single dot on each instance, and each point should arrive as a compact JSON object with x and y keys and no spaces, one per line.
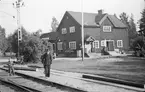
{"x":72,"y":29}
{"x":107,"y":28}
{"x":63,"y":31}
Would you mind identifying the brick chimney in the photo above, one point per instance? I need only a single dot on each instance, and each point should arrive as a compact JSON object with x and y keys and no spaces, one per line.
{"x":115,"y":15}
{"x":99,"y":16}
{"x":100,"y":12}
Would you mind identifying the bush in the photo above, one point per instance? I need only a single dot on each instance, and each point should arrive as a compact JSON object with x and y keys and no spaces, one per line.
{"x":69,"y":52}
{"x":104,"y":52}
{"x":34,"y":49}
{"x":31,"y":46}
{"x":138,"y":46}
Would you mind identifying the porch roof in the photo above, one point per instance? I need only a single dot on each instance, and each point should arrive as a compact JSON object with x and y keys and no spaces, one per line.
{"x":89,"y":38}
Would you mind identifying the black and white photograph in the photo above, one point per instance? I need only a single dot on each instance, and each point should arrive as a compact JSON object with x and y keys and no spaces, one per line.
{"x":72,"y":45}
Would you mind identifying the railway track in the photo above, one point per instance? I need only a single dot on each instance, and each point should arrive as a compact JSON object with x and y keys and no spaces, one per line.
{"x":36,"y":84}
{"x":8,"y":86}
{"x":32,"y":85}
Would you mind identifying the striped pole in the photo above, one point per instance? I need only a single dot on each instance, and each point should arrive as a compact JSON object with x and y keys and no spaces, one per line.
{"x":82,"y":30}
{"x":17,"y":5}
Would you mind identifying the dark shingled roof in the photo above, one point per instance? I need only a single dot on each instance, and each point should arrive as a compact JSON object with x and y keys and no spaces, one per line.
{"x":51,"y":35}
{"x":116,"y":22}
{"x":89,"y":18}
{"x":93,"y":19}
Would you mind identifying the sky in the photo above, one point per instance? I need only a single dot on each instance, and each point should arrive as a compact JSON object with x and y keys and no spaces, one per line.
{"x":37,"y":14}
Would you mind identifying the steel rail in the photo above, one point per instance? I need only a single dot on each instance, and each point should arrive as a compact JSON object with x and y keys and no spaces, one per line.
{"x":43,"y":81}
{"x":16,"y":85}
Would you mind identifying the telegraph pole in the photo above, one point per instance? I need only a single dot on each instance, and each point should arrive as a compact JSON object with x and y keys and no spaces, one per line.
{"x":82,"y":32}
{"x":18,"y":4}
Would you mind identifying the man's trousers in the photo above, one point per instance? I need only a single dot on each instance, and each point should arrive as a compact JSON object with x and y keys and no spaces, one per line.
{"x":47,"y":70}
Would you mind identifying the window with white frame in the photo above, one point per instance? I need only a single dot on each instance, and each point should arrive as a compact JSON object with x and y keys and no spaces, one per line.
{"x":72,"y":45}
{"x":119,"y":43}
{"x":59,"y":45}
{"x":96,"y":44}
{"x":103,"y":43}
{"x":72,"y":29}
{"x":63,"y":30}
{"x":107,"y":28}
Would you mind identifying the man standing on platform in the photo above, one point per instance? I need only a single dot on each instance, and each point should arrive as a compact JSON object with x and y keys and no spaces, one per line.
{"x":47,"y":61}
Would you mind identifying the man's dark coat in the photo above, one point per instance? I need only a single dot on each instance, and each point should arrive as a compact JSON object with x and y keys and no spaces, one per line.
{"x":47,"y":59}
